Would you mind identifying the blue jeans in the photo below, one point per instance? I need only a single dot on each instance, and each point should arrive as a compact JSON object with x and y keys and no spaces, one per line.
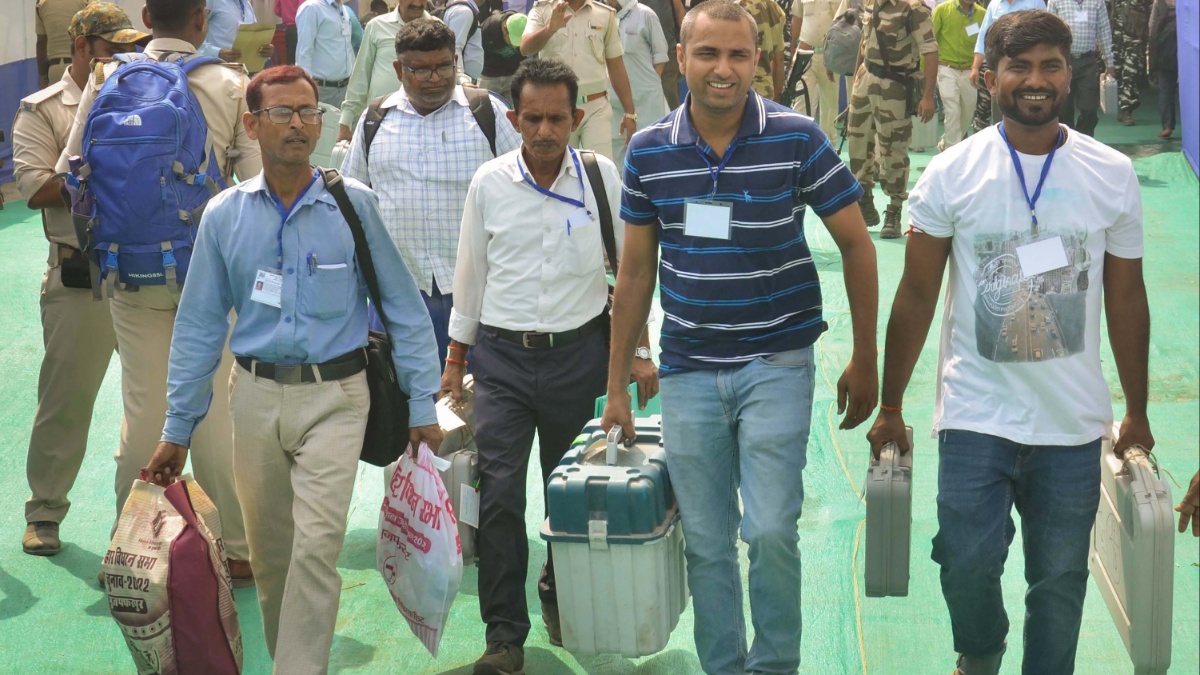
{"x":439,"y":306}
{"x":746,"y":425}
{"x":1056,"y":489}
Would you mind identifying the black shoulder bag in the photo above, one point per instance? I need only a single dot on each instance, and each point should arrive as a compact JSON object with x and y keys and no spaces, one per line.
{"x":387,"y":423}
{"x":607,"y":233}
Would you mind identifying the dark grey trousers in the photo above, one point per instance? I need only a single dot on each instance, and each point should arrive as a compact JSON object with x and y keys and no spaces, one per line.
{"x":1083,"y":103}
{"x":517,"y":392}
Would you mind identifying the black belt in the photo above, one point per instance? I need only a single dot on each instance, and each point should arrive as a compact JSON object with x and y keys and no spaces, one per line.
{"x":336,"y":84}
{"x":343,"y":366}
{"x":889,"y":73}
{"x":539,"y":341}
{"x":1083,"y":54}
{"x":59,"y":61}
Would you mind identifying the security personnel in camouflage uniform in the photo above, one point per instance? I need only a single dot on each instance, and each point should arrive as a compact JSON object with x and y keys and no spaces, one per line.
{"x":889,"y":58}
{"x":1130,"y":26}
{"x":769,"y":75}
{"x":77,"y":333}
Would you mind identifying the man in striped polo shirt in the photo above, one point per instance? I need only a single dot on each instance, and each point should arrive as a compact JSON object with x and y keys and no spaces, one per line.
{"x":721,"y":186}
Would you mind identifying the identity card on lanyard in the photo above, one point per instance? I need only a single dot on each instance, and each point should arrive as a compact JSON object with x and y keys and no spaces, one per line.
{"x":1044,"y":255}
{"x":580,"y":216}
{"x":710,"y":218}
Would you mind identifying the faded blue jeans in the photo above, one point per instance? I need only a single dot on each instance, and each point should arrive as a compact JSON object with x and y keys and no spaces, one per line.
{"x":742,"y":426}
{"x":1056,"y":489}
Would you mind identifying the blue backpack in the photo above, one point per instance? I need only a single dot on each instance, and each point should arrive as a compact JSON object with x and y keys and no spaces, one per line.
{"x":147,"y":171}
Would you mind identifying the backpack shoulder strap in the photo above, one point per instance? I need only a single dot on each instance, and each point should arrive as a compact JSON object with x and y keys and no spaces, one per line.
{"x":362,"y":251}
{"x":485,"y":116}
{"x":375,"y":115}
{"x":596,"y":180}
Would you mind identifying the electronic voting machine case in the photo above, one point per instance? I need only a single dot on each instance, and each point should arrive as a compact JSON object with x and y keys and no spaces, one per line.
{"x":889,"y":521}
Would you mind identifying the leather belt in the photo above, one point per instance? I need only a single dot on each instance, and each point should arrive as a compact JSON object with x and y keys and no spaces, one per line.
{"x":956,"y":67}
{"x":540,"y":341}
{"x":1083,"y":54}
{"x":351,"y":363}
{"x":591,"y":97}
{"x":336,"y":84}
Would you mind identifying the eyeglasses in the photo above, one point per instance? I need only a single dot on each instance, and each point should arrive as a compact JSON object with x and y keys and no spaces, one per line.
{"x":283,"y":114}
{"x":444,"y":72}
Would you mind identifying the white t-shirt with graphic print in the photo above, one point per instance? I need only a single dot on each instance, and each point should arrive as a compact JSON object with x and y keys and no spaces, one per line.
{"x":1020,"y":344}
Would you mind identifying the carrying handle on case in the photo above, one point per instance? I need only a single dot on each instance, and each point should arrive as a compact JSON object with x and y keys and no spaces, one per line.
{"x":613,"y":442}
{"x":1140,"y":452}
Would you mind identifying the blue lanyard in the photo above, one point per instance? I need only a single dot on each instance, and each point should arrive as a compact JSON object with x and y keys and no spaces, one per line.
{"x":1037,"y":192}
{"x":555,"y":195}
{"x":715,"y":172}
{"x":283,"y":216}
{"x":242,"y":4}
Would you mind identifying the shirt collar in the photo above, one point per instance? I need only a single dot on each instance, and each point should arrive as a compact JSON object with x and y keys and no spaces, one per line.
{"x":315,"y":193}
{"x":399,"y":100}
{"x":71,"y":91}
{"x":754,"y":121}
{"x":624,"y":11}
{"x":394,"y":15}
{"x":568,"y":166}
{"x":173,"y":45}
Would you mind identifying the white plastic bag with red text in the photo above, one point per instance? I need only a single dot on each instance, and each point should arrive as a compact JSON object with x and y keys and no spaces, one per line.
{"x":419,"y":553}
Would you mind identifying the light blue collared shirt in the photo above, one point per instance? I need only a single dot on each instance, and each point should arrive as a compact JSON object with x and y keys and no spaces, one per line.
{"x":323,"y":40}
{"x":999,"y":8}
{"x":224,"y":17}
{"x":323,"y":312}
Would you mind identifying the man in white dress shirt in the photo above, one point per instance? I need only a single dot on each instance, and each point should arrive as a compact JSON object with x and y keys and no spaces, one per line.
{"x":529,"y":301}
{"x":425,"y":151}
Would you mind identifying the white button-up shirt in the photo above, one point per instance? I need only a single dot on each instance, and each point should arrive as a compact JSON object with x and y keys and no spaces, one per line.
{"x":519,"y":267}
{"x":421,"y":167}
{"x":323,"y":47}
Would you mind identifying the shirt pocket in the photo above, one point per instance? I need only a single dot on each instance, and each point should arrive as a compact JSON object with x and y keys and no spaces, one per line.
{"x":326,"y":289}
{"x":762,"y":204}
{"x":583,"y":253}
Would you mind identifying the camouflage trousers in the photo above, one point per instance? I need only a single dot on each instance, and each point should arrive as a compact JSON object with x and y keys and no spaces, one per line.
{"x":1130,"y":27}
{"x":985,"y":111}
{"x":878,"y":123}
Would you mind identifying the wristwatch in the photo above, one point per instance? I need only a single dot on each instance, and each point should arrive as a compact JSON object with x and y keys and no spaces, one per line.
{"x":632,"y":116}
{"x":642,"y":353}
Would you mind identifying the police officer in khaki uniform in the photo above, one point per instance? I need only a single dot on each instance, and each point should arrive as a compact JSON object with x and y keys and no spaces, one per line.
{"x":77,"y":333}
{"x":144,"y":317}
{"x":583,"y":34}
{"x":53,"y":47}
{"x":896,"y":35}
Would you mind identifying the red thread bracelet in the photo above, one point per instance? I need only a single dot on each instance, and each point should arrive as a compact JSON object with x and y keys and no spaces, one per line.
{"x":884,"y":408}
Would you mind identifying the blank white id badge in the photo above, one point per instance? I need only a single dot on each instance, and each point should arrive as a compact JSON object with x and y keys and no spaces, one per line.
{"x":268,"y":288}
{"x":708,"y":219}
{"x":1042,"y":256}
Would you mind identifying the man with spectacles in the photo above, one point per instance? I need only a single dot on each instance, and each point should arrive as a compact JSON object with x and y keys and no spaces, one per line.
{"x":425,"y":147}
{"x":144,"y":316}
{"x":278,"y":251}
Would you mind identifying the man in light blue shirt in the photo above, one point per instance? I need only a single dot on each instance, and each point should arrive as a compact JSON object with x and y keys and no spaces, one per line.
{"x":224,"y":17}
{"x":324,"y":48}
{"x":463,"y":17}
{"x":277,"y":250}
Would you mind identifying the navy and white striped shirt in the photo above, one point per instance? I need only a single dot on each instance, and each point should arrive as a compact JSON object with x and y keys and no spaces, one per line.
{"x":729,"y":302}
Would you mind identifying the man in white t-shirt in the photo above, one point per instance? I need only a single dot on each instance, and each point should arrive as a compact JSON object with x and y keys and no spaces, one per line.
{"x":1021,"y":400}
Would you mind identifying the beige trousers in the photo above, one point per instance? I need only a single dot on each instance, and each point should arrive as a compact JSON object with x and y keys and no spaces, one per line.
{"x":296,"y":451}
{"x":823,"y":93}
{"x":144,"y":322}
{"x":77,"y":334}
{"x":595,"y":131}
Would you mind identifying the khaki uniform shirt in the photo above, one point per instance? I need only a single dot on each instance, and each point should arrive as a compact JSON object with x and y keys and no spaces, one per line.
{"x":905,"y":31}
{"x":770,"y":18}
{"x":816,"y":16}
{"x":221,"y":92}
{"x":52,"y":18}
{"x":585,"y":44}
{"x":39,"y":134}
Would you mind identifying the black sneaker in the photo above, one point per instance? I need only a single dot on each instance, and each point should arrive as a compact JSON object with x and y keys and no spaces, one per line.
{"x":867,"y":206}
{"x":501,"y":658}
{"x":553,"y":627}
{"x":891,"y":223}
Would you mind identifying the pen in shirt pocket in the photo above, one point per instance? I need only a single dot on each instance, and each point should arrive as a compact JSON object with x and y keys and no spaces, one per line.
{"x":312,"y":263}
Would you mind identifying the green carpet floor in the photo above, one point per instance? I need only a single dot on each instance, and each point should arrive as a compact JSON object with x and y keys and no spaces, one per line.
{"x":54,"y":619}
